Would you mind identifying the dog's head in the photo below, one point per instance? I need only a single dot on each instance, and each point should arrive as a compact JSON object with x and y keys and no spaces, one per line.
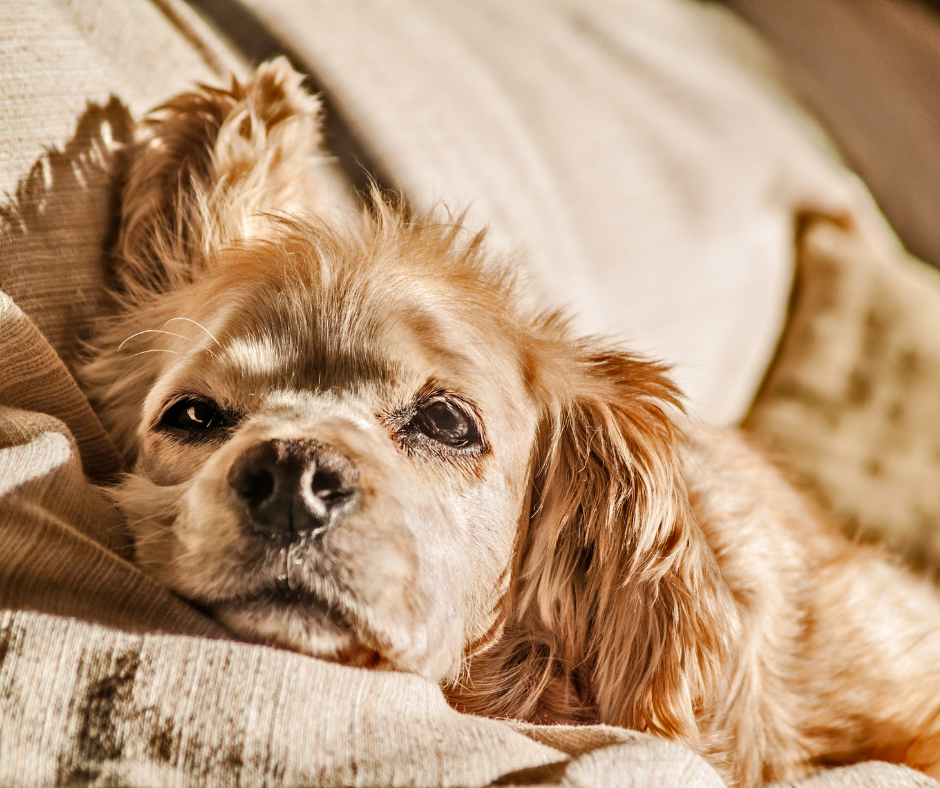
{"x":348,"y":438}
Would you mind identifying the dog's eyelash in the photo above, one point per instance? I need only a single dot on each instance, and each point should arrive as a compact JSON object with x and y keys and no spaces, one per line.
{"x":447,"y":425}
{"x":194,"y":418}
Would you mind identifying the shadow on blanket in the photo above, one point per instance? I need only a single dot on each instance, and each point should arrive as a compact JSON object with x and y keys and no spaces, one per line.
{"x":65,"y":207}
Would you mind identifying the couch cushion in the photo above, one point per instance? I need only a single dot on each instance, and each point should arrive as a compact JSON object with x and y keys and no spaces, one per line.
{"x":851,"y":402}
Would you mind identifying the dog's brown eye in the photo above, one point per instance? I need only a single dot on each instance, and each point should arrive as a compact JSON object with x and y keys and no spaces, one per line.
{"x":195,"y":416}
{"x":446,"y":423}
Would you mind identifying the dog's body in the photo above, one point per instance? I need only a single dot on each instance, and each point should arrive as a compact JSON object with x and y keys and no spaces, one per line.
{"x":349,"y":438}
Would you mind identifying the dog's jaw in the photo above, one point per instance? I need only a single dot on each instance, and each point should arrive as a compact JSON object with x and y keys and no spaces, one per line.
{"x":299,"y":620}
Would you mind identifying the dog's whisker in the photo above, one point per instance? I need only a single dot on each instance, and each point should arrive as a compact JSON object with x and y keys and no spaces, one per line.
{"x":156,"y":350}
{"x":198,"y":325}
{"x":152,"y":331}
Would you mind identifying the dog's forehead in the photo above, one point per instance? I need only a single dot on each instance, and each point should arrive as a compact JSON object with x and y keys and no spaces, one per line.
{"x":283,"y":342}
{"x":360,"y":329}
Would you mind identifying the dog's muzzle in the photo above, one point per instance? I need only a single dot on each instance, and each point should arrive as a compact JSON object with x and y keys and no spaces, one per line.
{"x":292,"y":489}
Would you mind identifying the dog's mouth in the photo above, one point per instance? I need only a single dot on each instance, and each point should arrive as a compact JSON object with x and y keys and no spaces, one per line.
{"x":271,"y":614}
{"x":281,"y":596}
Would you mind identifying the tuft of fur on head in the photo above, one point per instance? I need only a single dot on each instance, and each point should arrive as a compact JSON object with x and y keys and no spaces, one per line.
{"x":207,"y":169}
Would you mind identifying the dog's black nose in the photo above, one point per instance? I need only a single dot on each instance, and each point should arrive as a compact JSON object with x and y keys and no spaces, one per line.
{"x":294,"y":487}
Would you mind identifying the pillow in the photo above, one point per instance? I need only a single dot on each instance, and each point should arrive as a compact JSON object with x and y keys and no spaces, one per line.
{"x":851,"y":402}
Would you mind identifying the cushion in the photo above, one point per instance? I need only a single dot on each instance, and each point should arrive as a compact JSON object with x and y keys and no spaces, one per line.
{"x":851,"y":403}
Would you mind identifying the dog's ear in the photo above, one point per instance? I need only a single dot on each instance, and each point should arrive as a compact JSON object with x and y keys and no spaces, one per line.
{"x":618,"y":612}
{"x":208,"y":167}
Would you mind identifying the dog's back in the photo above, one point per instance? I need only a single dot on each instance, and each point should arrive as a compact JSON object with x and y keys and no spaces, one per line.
{"x":840,"y":651}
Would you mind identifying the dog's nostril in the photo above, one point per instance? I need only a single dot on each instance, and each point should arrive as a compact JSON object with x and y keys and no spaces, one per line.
{"x":254,"y":475}
{"x":254,"y":485}
{"x":327,"y":484}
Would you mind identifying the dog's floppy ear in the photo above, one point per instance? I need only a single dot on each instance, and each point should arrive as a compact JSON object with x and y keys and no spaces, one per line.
{"x":207,"y":168}
{"x":618,"y":612}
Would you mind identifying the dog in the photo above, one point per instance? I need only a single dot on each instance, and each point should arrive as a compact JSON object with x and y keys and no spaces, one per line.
{"x":352,"y":435}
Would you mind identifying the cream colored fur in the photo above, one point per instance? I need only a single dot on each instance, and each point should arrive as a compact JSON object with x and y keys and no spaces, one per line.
{"x":591,"y":557}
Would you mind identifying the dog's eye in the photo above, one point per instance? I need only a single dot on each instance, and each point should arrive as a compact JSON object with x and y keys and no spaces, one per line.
{"x":446,"y":423}
{"x":194,"y":416}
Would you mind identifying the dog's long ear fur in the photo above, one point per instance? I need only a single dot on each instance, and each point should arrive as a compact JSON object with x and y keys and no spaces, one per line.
{"x":207,"y":168}
{"x":618,"y":613}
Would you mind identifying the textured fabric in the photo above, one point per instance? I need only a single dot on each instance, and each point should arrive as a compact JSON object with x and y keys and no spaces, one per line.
{"x":615,"y":757}
{"x":90,"y":704}
{"x":866,"y":775}
{"x":36,"y":380}
{"x":851,"y":402}
{"x":126,"y":710}
{"x":633,"y":150}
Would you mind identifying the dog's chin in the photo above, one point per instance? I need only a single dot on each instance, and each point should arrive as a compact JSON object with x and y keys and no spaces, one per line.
{"x":301,"y":621}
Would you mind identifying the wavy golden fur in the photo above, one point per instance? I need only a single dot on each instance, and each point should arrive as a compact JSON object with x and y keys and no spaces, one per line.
{"x":351,"y":436}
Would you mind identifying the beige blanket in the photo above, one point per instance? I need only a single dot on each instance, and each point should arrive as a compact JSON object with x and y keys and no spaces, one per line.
{"x":105,"y":677}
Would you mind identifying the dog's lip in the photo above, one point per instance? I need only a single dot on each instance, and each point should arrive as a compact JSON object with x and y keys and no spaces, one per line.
{"x":306,"y":601}
{"x":283,"y":596}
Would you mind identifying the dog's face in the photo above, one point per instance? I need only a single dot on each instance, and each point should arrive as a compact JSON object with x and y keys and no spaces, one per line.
{"x":346,"y":437}
{"x":333,"y":449}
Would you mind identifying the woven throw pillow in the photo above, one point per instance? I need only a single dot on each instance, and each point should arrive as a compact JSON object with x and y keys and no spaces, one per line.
{"x":852,"y":402}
